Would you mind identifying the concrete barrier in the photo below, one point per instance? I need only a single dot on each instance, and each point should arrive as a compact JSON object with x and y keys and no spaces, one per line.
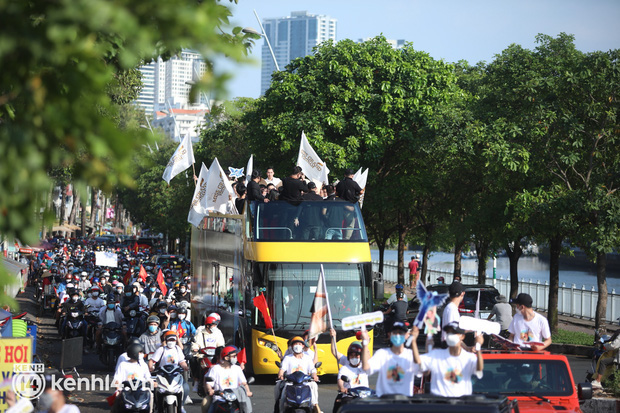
{"x":600,"y":405}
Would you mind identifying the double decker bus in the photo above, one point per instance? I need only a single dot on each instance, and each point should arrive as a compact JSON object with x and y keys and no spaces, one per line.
{"x":277,"y":248}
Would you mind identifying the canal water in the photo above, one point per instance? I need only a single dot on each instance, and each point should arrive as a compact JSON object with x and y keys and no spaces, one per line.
{"x":530,"y":268}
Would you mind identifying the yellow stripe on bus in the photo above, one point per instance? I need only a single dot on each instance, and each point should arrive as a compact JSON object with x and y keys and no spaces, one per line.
{"x":307,"y":252}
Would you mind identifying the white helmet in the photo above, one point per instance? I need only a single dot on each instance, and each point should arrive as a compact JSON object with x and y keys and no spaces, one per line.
{"x":216,"y":316}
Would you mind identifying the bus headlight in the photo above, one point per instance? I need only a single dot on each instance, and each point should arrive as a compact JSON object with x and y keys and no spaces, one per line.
{"x":269,"y":344}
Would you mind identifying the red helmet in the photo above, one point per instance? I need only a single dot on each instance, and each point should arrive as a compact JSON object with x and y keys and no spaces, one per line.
{"x":216,"y":316}
{"x":210,"y":320}
{"x":228,"y":350}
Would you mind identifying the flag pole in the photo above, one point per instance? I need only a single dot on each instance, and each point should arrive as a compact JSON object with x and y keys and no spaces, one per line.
{"x":273,"y":333}
{"x":195,"y":179}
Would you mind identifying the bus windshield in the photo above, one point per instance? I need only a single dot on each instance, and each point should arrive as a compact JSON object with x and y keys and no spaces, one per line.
{"x":291,"y":288}
{"x":308,"y":221}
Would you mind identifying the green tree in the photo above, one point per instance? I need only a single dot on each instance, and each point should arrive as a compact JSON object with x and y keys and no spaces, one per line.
{"x":58,"y":61}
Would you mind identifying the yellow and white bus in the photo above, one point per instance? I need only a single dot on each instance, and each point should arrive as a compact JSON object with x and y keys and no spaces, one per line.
{"x":277,"y":248}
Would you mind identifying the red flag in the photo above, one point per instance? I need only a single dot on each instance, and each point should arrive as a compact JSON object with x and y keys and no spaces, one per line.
{"x":260,"y":303}
{"x":142,"y":274}
{"x":241,"y":357}
{"x":127,"y":277}
{"x":111,"y":399}
{"x":161,"y":283}
{"x":135,"y":247}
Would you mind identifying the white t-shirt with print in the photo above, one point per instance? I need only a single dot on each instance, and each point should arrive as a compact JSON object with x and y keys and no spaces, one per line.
{"x":125,"y":358}
{"x":165,"y":356}
{"x":128,"y":371}
{"x":223,"y":379}
{"x":356,"y":375}
{"x":535,"y":330}
{"x":450,"y":315}
{"x":291,"y":364}
{"x":450,"y":375}
{"x":396,"y":371}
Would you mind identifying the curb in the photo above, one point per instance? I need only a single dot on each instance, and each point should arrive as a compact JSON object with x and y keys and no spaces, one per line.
{"x":598,"y":405}
{"x":571,"y":349}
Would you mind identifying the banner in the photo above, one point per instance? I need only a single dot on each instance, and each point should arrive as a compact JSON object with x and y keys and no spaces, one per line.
{"x":18,"y":373}
{"x":182,"y":159}
{"x":320,"y":309}
{"x":106,"y":259}
{"x":311,"y":165}
{"x":198,"y":208}
{"x":248,"y":170}
{"x":362,"y":320}
{"x":218,"y":189}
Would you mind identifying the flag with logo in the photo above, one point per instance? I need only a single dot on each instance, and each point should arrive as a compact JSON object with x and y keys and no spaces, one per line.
{"x":182,"y":159}
{"x":198,"y":208}
{"x":161,"y":283}
{"x":248,"y":170}
{"x":261,"y":303}
{"x":218,"y":189}
{"x":320,"y":309}
{"x":311,"y":165}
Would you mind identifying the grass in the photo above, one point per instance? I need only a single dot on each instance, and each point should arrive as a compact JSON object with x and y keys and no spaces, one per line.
{"x":572,"y":337}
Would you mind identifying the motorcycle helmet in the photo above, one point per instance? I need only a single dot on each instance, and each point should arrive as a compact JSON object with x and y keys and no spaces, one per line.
{"x":134,"y":350}
{"x":228,"y":351}
{"x":95,"y":280}
{"x":111,"y":298}
{"x":210,"y":321}
{"x":354,"y":348}
{"x":182,"y":310}
{"x":399,"y":287}
{"x":217,"y":317}
{"x":152,"y":319}
{"x":170,"y":335}
{"x":298,"y":339}
{"x":84,"y":274}
{"x":95,"y":289}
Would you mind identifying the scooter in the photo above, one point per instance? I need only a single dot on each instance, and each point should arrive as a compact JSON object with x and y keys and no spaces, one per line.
{"x":360,"y":392}
{"x":135,"y":397}
{"x":601,"y":350}
{"x":169,"y":389}
{"x":75,"y":325}
{"x":298,"y":396}
{"x":111,"y":344}
{"x":92,"y":318}
{"x":206,"y":362}
{"x":134,"y":324}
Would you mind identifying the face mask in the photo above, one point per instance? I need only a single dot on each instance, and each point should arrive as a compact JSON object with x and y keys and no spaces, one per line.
{"x":526,"y":378}
{"x":110,"y":306}
{"x":74,"y":299}
{"x":453,"y":340}
{"x":127,"y":294}
{"x":173,"y":315}
{"x":95,"y":295}
{"x":233,"y":360}
{"x":103,"y":282}
{"x":152,"y":329}
{"x":397,"y":339}
{"x":181,"y":316}
{"x":182,"y":290}
{"x":153,"y":289}
{"x":45,"y":402}
{"x":162,"y":311}
{"x":298,"y":348}
{"x":171,"y":344}
{"x":354,"y":361}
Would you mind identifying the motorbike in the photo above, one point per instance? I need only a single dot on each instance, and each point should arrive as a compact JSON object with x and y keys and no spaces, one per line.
{"x":298,"y":396}
{"x":92,"y":319}
{"x":75,"y":324}
{"x":206,"y":362}
{"x":359,"y":392}
{"x":111,"y":344}
{"x":135,"y":397}
{"x":228,"y":402}
{"x":134,"y":324}
{"x":169,"y":389}
{"x":601,"y":350}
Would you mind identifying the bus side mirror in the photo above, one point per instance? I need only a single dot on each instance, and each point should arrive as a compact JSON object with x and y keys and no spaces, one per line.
{"x":278,"y":364}
{"x":319,"y":364}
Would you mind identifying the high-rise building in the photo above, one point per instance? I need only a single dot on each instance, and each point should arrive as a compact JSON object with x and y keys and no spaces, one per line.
{"x":291,"y":37}
{"x":167,"y":83}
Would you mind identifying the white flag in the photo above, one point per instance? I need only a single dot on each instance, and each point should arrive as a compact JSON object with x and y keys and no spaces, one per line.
{"x":198,"y":210}
{"x":182,"y":159}
{"x":218,"y":189}
{"x":361,"y":177}
{"x":312,"y":166}
{"x":248,"y":170}
{"x":320,"y":309}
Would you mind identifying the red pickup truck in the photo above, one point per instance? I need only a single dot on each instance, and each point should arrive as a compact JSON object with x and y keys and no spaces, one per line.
{"x":539,"y":381}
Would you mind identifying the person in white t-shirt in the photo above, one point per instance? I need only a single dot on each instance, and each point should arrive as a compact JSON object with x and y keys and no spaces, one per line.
{"x":452,"y":368}
{"x":125,"y":356}
{"x":352,"y":369}
{"x":272,"y":179}
{"x":297,"y":361}
{"x":527,"y":325}
{"x":228,"y":375}
{"x":394,"y":364}
{"x":342,"y":359}
{"x":451,"y":312}
{"x":170,"y":354}
{"x":132,"y":369}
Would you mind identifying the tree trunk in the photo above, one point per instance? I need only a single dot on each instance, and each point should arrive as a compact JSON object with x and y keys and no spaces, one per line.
{"x":458,"y":251}
{"x":93,"y":206}
{"x":402,"y":233}
{"x":48,"y":208}
{"x":74,"y":207}
{"x":482,"y":251}
{"x":63,"y":206}
{"x":381,"y":246}
{"x":601,"y":281}
{"x":513,"y":256}
{"x":425,"y":252}
{"x":104,"y":207}
{"x":555,"y":248}
{"x":83,"y":220}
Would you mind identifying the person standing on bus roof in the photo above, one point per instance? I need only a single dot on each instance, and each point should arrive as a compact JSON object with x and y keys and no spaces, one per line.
{"x":254,"y":192}
{"x":293,"y":186}
{"x":348,"y":189}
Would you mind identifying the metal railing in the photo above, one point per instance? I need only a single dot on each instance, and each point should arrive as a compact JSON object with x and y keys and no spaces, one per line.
{"x":573,"y":301}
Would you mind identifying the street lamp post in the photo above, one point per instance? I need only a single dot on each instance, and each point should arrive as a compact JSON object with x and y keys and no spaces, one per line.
{"x":263,"y":34}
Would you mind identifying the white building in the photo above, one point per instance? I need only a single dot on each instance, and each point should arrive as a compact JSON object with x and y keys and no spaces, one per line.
{"x":292,"y":37}
{"x":177,"y":123}
{"x":167,"y":83}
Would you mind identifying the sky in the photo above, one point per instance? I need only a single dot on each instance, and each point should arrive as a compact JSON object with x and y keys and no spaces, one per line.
{"x":452,"y":30}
